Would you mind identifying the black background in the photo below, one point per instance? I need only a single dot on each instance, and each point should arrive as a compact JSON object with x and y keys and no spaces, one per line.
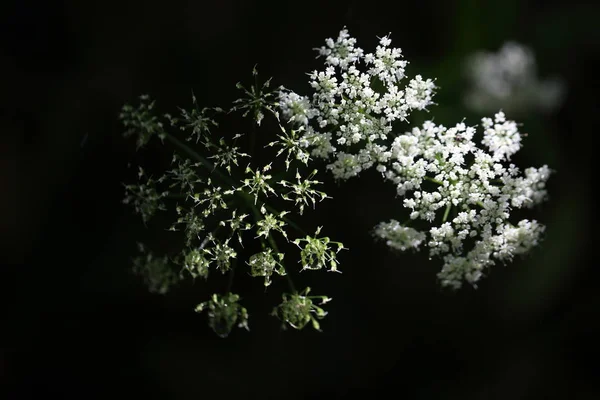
{"x":78,"y":324}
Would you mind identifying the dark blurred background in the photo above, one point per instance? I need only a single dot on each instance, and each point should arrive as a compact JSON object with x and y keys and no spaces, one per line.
{"x":77,"y":324}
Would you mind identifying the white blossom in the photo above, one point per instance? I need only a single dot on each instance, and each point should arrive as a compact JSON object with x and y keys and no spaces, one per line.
{"x":443,"y":174}
{"x":399,"y":237}
{"x":509,"y":80}
{"x":356,"y":98}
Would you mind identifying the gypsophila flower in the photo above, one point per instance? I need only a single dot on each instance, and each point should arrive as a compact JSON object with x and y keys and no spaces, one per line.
{"x":224,"y":312}
{"x":298,"y":309}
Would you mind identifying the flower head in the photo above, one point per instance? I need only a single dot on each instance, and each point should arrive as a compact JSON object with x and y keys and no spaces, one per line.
{"x":224,"y":312}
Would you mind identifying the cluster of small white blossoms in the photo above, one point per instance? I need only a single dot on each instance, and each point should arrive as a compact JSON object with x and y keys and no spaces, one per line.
{"x":441,"y":172}
{"x":508,"y":80}
{"x":356,"y":99}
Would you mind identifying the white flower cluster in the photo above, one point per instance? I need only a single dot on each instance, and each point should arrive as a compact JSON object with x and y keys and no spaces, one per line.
{"x":441,"y":172}
{"x":508,"y":80}
{"x":353,"y":108}
{"x":399,"y":237}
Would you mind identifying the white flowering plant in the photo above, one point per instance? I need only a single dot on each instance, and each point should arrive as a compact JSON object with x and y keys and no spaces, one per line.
{"x":456,"y":185}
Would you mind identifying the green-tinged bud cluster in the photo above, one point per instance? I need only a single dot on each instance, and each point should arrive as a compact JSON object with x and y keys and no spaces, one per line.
{"x":145,"y":197}
{"x":196,"y":263}
{"x":302,"y":193}
{"x":298,"y":309}
{"x":224,"y":312}
{"x":265,"y":264}
{"x":156,"y":272}
{"x":224,"y":209}
{"x":141,"y":121}
{"x":317,"y":253}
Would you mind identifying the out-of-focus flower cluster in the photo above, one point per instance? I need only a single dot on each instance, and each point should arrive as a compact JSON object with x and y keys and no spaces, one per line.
{"x":508,"y":80}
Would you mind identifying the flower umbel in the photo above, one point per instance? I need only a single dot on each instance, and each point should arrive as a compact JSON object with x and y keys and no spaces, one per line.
{"x":144,"y":196}
{"x":298,"y":309}
{"x":224,"y":312}
{"x":457,"y":184}
{"x":317,"y":252}
{"x":216,"y":200}
{"x":445,"y":176}
{"x":265,"y":264}
{"x":156,"y":272}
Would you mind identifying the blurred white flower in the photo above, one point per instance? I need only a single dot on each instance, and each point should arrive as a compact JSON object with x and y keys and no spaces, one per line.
{"x":508,"y":80}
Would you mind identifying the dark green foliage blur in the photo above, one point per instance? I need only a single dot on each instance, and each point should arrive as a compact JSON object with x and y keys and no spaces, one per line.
{"x":79,"y":323}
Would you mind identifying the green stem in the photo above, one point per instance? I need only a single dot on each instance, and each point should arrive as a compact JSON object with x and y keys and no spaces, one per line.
{"x":432,"y":180}
{"x":448,"y":207}
{"x":231,"y":275}
{"x":287,"y":274}
{"x":252,"y":140}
